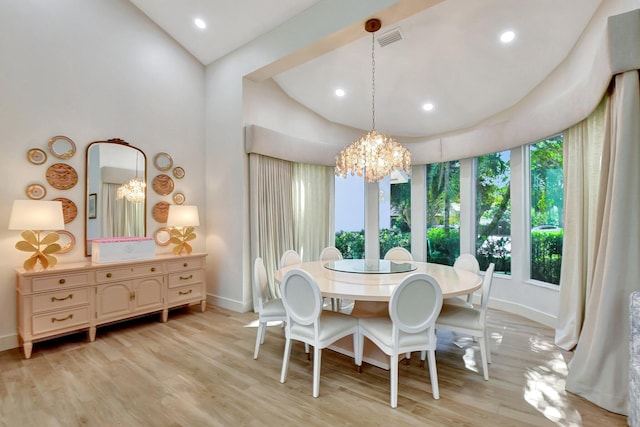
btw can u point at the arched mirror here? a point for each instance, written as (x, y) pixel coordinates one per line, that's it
(115, 193)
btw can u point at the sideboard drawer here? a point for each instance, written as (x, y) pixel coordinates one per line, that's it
(185, 278)
(60, 320)
(60, 299)
(121, 273)
(185, 293)
(185, 264)
(58, 281)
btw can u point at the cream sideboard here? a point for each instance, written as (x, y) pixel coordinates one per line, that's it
(82, 296)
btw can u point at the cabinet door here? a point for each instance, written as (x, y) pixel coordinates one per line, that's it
(114, 300)
(149, 294)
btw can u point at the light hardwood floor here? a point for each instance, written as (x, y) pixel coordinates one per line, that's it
(198, 370)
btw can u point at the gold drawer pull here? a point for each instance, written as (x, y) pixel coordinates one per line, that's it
(186, 264)
(109, 275)
(54, 320)
(132, 296)
(153, 269)
(54, 299)
(187, 278)
(62, 281)
(184, 293)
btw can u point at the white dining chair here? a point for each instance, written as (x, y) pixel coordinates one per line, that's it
(331, 253)
(413, 309)
(307, 322)
(466, 262)
(398, 254)
(289, 257)
(268, 310)
(471, 320)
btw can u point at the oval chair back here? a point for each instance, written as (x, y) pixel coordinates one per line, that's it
(290, 257)
(330, 253)
(398, 254)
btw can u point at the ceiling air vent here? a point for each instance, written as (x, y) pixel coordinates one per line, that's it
(389, 37)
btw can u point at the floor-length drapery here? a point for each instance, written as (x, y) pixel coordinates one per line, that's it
(582, 150)
(271, 212)
(312, 209)
(599, 369)
(120, 217)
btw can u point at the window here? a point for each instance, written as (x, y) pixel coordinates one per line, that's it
(395, 212)
(547, 219)
(443, 212)
(493, 211)
(349, 211)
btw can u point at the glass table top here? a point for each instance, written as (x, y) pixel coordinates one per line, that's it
(370, 266)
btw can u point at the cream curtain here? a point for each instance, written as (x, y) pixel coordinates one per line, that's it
(600, 366)
(582, 150)
(271, 212)
(312, 209)
(120, 218)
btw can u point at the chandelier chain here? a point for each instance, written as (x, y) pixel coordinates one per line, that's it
(373, 81)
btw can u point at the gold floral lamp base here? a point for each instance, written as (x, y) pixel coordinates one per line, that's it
(43, 249)
(179, 237)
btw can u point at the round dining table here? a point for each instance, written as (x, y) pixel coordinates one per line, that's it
(370, 283)
(374, 280)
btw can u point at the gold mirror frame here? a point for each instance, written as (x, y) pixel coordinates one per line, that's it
(94, 166)
(163, 161)
(62, 147)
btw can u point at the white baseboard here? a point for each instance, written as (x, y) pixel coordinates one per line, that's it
(229, 304)
(8, 342)
(524, 311)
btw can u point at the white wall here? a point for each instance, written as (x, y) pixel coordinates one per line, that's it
(90, 70)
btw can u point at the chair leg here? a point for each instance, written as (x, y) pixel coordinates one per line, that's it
(393, 380)
(488, 347)
(259, 338)
(285, 360)
(483, 355)
(433, 373)
(358, 349)
(423, 355)
(317, 356)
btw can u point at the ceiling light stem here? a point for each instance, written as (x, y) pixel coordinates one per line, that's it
(373, 81)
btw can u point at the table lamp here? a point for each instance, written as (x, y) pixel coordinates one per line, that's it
(182, 219)
(34, 216)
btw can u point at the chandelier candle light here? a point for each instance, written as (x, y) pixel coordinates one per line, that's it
(375, 154)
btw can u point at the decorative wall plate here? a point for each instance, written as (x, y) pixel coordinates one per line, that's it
(162, 236)
(67, 241)
(163, 161)
(36, 156)
(36, 191)
(62, 176)
(69, 209)
(178, 172)
(62, 147)
(178, 198)
(161, 211)
(163, 184)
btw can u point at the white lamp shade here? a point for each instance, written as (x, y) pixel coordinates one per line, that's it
(36, 215)
(183, 216)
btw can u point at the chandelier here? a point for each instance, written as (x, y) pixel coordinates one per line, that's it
(134, 190)
(375, 155)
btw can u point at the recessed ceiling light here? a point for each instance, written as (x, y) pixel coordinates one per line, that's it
(507, 36)
(340, 92)
(200, 23)
(427, 107)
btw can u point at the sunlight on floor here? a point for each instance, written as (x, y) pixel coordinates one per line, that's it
(544, 389)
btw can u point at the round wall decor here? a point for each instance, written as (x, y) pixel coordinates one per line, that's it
(62, 176)
(69, 209)
(161, 212)
(162, 184)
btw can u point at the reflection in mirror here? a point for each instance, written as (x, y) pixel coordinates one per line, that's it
(110, 165)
